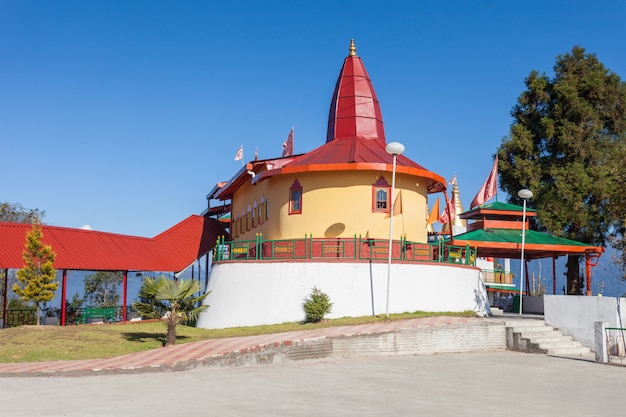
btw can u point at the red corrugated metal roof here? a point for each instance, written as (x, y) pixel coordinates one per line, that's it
(172, 250)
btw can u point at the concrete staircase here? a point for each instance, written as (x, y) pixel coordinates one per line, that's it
(534, 336)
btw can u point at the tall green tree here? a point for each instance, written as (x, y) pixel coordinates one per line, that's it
(16, 213)
(102, 288)
(36, 281)
(617, 236)
(173, 301)
(563, 146)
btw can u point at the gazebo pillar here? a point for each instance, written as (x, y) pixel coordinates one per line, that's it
(590, 260)
(5, 298)
(63, 297)
(554, 275)
(124, 297)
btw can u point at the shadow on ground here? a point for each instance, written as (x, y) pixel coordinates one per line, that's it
(142, 337)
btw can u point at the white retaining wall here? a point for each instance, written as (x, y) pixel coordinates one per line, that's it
(249, 294)
(576, 315)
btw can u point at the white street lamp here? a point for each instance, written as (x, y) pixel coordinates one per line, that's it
(394, 149)
(524, 194)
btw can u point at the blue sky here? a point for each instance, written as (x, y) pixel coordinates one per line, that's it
(124, 114)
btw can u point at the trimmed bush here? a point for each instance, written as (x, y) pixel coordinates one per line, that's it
(317, 305)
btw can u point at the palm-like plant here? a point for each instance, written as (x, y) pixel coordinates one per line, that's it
(173, 301)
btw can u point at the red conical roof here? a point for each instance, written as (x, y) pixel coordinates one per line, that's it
(354, 109)
(355, 138)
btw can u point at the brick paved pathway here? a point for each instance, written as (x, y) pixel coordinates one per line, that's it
(189, 355)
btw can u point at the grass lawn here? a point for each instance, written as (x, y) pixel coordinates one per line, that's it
(51, 343)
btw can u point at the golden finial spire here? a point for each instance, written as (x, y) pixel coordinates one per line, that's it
(458, 207)
(352, 48)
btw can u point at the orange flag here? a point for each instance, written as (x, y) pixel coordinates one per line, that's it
(434, 213)
(397, 205)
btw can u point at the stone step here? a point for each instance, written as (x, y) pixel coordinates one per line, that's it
(538, 334)
(533, 329)
(495, 311)
(558, 345)
(537, 337)
(524, 323)
(571, 351)
(549, 338)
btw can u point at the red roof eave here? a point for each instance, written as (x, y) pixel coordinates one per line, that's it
(531, 248)
(436, 182)
(77, 249)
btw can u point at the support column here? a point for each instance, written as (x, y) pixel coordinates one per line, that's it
(5, 298)
(588, 277)
(63, 297)
(125, 294)
(553, 275)
(206, 270)
(600, 342)
(588, 264)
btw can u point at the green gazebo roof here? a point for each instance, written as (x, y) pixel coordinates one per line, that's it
(507, 243)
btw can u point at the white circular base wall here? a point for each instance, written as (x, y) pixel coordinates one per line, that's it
(250, 294)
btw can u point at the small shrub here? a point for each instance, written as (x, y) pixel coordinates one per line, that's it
(317, 305)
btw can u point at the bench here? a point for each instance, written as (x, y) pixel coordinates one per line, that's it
(107, 314)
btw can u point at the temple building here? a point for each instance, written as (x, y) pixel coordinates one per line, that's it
(342, 188)
(335, 218)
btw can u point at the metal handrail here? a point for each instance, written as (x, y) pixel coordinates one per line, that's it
(616, 345)
(355, 248)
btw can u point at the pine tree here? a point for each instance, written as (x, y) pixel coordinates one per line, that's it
(36, 281)
(563, 146)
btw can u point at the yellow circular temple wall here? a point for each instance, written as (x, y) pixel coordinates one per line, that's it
(334, 204)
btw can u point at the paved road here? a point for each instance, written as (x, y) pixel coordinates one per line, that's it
(501, 383)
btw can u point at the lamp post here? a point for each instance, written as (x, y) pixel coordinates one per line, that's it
(394, 149)
(524, 194)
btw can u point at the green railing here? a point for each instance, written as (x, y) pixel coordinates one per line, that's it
(356, 248)
(19, 317)
(497, 276)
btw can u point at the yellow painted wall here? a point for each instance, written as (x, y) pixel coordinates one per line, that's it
(334, 204)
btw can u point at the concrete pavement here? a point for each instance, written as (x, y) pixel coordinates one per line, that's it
(487, 383)
(481, 384)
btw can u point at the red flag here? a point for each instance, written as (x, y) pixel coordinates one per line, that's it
(288, 145)
(239, 155)
(449, 208)
(489, 188)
